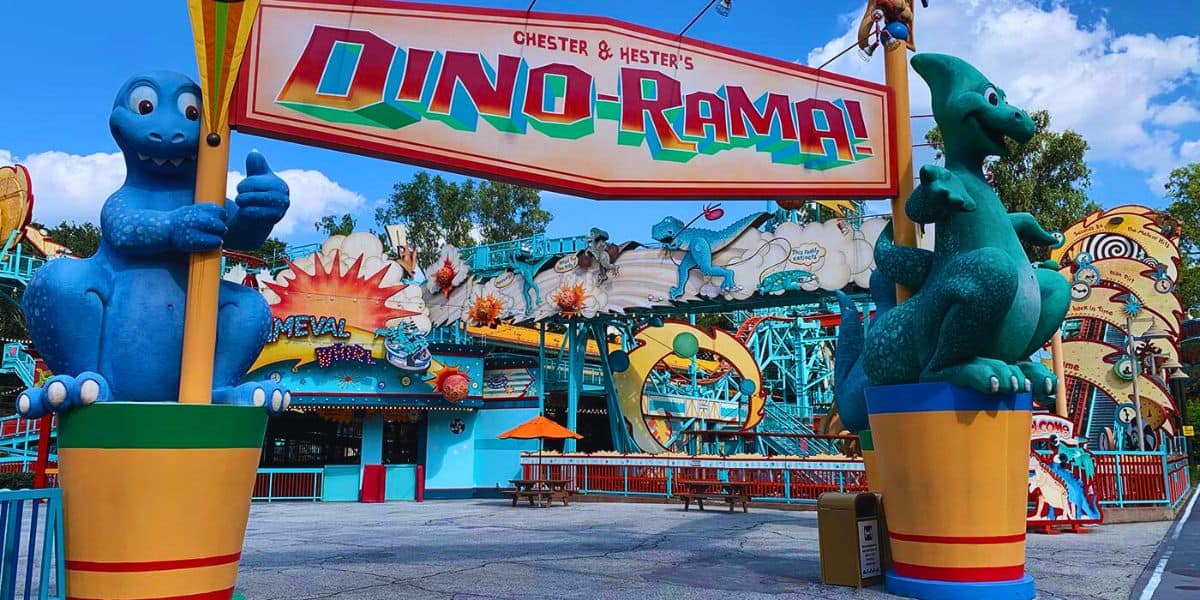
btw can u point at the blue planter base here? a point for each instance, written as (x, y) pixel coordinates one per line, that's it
(925, 589)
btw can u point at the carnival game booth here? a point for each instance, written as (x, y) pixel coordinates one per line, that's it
(382, 411)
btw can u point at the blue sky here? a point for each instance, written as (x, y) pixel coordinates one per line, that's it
(1124, 76)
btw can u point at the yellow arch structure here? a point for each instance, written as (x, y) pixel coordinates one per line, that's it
(654, 344)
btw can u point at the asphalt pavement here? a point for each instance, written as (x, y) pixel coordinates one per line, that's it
(601, 551)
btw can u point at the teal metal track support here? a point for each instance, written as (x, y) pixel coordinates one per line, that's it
(576, 353)
(621, 440)
(542, 368)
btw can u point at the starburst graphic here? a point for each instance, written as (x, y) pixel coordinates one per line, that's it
(485, 311)
(570, 299)
(362, 302)
(452, 383)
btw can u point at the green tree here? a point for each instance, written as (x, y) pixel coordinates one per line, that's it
(1046, 177)
(83, 239)
(1183, 190)
(331, 225)
(469, 213)
(271, 251)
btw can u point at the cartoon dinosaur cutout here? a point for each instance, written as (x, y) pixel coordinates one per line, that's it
(699, 245)
(979, 308)
(111, 325)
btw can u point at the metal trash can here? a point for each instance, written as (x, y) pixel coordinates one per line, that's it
(851, 534)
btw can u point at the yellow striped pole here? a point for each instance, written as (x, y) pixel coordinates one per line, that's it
(220, 29)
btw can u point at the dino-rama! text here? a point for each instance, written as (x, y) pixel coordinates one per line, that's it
(356, 77)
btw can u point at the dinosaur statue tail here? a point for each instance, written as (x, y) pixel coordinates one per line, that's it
(850, 381)
(900, 264)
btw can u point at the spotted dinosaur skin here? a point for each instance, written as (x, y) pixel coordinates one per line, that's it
(979, 309)
(111, 326)
(699, 245)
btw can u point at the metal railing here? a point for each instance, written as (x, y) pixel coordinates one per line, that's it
(274, 485)
(1150, 478)
(31, 558)
(793, 482)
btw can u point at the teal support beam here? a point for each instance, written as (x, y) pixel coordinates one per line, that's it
(576, 352)
(621, 441)
(542, 371)
(372, 440)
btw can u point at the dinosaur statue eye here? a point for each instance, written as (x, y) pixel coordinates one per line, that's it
(142, 99)
(993, 97)
(189, 105)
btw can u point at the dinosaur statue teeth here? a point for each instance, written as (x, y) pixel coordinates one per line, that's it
(159, 161)
(143, 156)
(176, 161)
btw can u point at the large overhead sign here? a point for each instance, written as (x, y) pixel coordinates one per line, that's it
(585, 105)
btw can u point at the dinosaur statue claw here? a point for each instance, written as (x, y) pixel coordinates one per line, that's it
(1028, 385)
(61, 393)
(263, 394)
(995, 384)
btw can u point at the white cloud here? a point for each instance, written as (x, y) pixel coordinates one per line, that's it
(1108, 87)
(314, 195)
(1179, 112)
(73, 187)
(1189, 152)
(70, 187)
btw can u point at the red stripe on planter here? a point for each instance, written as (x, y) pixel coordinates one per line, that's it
(955, 539)
(224, 594)
(960, 574)
(153, 565)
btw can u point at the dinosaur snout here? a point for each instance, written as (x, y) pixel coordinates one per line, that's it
(1022, 127)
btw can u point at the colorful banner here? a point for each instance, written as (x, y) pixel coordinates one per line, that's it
(586, 105)
(1124, 232)
(1061, 469)
(1093, 362)
(219, 29)
(1106, 302)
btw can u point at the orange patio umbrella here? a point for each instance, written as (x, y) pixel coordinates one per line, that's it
(540, 428)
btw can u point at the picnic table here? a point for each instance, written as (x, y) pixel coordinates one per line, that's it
(542, 490)
(730, 492)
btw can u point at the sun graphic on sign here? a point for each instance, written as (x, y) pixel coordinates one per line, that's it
(362, 302)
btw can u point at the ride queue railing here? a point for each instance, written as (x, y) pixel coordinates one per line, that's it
(32, 564)
(793, 484)
(273, 485)
(1143, 478)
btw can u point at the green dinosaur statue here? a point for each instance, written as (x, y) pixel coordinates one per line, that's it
(979, 308)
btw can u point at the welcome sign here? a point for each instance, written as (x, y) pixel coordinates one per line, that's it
(585, 105)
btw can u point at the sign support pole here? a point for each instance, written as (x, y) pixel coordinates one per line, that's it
(895, 67)
(220, 29)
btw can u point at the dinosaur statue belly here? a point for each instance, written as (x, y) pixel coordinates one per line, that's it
(1016, 330)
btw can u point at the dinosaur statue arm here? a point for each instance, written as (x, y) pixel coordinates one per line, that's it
(132, 230)
(901, 264)
(939, 194)
(1030, 231)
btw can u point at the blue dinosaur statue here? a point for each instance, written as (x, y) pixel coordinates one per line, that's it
(699, 245)
(979, 309)
(111, 325)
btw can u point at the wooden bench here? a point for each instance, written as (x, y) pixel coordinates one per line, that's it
(545, 497)
(732, 500)
(730, 492)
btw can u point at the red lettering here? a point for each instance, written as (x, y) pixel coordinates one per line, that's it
(811, 137)
(577, 101)
(634, 106)
(416, 70)
(370, 73)
(742, 110)
(694, 121)
(467, 68)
